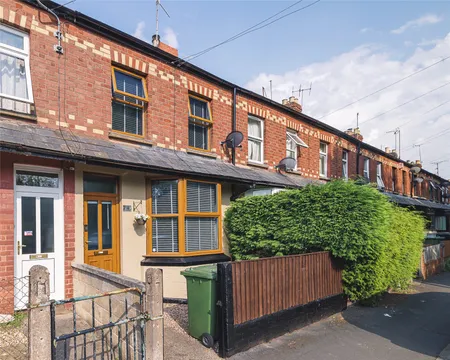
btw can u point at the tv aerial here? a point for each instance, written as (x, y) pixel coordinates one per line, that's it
(233, 140)
(300, 92)
(286, 164)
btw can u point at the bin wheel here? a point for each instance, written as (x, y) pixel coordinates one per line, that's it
(207, 340)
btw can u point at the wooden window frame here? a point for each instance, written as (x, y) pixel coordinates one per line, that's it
(345, 164)
(208, 122)
(181, 215)
(325, 155)
(143, 99)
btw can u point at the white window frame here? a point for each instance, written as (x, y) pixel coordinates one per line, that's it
(323, 154)
(345, 164)
(23, 54)
(366, 169)
(380, 181)
(256, 139)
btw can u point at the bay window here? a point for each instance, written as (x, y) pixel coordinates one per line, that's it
(185, 217)
(15, 82)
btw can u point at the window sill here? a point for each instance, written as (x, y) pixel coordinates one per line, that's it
(321, 177)
(184, 261)
(255, 164)
(294, 172)
(18, 115)
(205, 153)
(129, 138)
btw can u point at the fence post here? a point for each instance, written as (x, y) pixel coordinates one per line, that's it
(153, 306)
(226, 314)
(39, 322)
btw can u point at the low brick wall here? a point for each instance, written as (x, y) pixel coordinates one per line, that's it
(89, 280)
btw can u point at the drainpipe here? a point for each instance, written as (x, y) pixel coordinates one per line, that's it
(233, 150)
(358, 150)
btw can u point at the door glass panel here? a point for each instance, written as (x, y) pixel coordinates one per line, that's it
(28, 225)
(92, 217)
(28, 178)
(47, 225)
(106, 224)
(99, 184)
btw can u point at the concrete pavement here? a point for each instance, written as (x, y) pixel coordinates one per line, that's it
(412, 326)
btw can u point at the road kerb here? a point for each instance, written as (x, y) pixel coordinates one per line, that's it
(445, 354)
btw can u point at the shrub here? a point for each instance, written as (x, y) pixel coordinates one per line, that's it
(447, 265)
(379, 242)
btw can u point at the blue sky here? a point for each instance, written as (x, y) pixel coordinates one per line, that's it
(347, 49)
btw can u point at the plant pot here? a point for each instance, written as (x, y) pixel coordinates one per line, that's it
(141, 221)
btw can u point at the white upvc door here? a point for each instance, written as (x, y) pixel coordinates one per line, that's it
(39, 228)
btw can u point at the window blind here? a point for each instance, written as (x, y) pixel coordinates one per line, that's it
(165, 197)
(199, 108)
(198, 136)
(201, 234)
(129, 84)
(165, 234)
(201, 197)
(126, 118)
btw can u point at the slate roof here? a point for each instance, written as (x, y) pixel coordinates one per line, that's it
(64, 144)
(408, 201)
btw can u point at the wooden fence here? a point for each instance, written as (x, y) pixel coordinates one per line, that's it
(265, 298)
(265, 286)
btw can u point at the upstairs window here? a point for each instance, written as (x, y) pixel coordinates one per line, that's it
(323, 157)
(15, 82)
(129, 99)
(380, 182)
(366, 173)
(255, 140)
(200, 122)
(345, 165)
(404, 177)
(394, 179)
(292, 144)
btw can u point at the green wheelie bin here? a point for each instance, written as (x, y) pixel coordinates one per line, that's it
(202, 299)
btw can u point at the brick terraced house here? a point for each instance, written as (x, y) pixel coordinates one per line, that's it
(97, 126)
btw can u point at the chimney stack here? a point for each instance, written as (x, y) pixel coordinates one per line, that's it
(156, 42)
(292, 103)
(418, 163)
(356, 133)
(387, 150)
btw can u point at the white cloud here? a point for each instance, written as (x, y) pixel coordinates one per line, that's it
(365, 69)
(170, 37)
(365, 30)
(424, 20)
(139, 32)
(428, 42)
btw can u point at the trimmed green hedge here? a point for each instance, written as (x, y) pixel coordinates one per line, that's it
(380, 243)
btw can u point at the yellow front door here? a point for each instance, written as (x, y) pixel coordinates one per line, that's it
(101, 244)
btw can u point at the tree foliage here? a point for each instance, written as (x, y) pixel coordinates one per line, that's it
(380, 244)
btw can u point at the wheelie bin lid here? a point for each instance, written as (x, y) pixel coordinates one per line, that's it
(201, 272)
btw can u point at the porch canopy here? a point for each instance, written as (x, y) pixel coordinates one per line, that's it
(416, 202)
(63, 144)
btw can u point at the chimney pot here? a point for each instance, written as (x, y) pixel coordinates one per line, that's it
(387, 150)
(418, 163)
(293, 99)
(285, 101)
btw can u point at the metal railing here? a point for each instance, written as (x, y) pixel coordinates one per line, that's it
(104, 326)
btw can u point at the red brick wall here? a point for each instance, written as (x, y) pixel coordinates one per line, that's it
(85, 79)
(7, 241)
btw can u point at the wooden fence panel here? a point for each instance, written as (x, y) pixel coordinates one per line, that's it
(265, 286)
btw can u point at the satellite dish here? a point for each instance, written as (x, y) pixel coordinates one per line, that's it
(286, 164)
(233, 140)
(418, 180)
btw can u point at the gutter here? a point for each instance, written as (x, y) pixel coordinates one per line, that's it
(143, 47)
